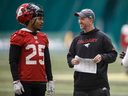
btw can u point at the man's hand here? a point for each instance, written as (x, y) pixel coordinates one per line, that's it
(51, 88)
(122, 55)
(121, 63)
(74, 62)
(97, 59)
(18, 87)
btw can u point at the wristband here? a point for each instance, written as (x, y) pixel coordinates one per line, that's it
(14, 82)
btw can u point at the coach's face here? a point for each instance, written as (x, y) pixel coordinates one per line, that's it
(84, 22)
(38, 24)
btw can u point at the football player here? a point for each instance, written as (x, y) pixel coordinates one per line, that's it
(29, 54)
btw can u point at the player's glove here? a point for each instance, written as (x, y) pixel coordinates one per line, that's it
(18, 87)
(51, 88)
(122, 55)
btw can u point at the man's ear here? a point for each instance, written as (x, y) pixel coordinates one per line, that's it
(91, 20)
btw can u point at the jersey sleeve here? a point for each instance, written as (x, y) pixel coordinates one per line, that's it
(48, 67)
(16, 38)
(14, 54)
(47, 60)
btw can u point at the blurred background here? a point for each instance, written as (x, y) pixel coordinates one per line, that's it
(61, 26)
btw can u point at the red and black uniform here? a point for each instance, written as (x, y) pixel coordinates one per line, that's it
(88, 45)
(29, 57)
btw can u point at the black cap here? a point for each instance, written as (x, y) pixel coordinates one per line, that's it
(86, 13)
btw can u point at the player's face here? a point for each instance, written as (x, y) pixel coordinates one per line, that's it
(84, 22)
(38, 24)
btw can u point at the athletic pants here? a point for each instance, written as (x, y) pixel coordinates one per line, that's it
(98, 92)
(33, 89)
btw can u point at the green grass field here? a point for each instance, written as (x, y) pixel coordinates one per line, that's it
(64, 77)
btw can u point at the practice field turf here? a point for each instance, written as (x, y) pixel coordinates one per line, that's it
(64, 77)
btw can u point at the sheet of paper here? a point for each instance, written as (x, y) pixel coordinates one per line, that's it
(125, 59)
(85, 65)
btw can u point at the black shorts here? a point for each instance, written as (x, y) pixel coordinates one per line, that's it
(33, 89)
(98, 92)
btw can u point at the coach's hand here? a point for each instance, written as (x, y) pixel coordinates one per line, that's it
(51, 88)
(18, 87)
(74, 62)
(97, 59)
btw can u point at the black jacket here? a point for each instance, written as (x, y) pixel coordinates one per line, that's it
(88, 45)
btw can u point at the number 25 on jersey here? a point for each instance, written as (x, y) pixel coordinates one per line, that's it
(34, 62)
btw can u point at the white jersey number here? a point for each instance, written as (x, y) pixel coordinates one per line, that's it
(33, 62)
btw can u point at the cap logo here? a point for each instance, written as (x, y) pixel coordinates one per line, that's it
(90, 16)
(19, 12)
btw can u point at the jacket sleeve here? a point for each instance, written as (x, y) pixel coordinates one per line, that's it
(48, 64)
(71, 54)
(14, 54)
(110, 54)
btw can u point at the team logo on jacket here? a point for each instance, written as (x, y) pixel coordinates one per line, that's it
(87, 40)
(86, 45)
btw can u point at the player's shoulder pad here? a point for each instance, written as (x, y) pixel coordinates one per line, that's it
(19, 33)
(44, 38)
(42, 34)
(17, 37)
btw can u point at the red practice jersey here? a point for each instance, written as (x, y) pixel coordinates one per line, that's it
(31, 65)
